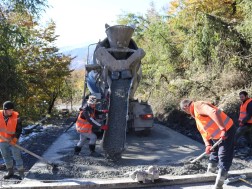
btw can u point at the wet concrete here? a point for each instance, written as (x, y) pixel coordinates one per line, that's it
(199, 181)
(163, 148)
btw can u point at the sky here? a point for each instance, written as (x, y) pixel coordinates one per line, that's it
(82, 22)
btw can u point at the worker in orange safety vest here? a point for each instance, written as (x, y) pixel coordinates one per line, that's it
(245, 118)
(84, 124)
(213, 124)
(10, 131)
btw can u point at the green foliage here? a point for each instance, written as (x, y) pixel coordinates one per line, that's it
(73, 88)
(20, 6)
(32, 71)
(200, 50)
(245, 27)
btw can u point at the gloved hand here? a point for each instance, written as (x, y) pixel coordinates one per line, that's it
(13, 141)
(104, 127)
(105, 111)
(208, 149)
(223, 134)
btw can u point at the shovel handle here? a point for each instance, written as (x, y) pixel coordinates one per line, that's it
(27, 151)
(69, 127)
(33, 154)
(245, 181)
(203, 154)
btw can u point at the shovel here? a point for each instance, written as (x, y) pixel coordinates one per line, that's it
(54, 166)
(237, 178)
(69, 127)
(203, 154)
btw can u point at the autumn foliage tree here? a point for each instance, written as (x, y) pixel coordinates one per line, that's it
(197, 48)
(32, 70)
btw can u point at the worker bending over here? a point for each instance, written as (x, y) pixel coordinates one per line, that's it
(213, 124)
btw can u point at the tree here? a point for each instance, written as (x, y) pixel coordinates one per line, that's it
(15, 19)
(32, 70)
(45, 67)
(200, 48)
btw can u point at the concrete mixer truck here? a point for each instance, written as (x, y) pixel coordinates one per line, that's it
(113, 75)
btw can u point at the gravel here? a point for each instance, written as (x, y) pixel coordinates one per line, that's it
(84, 166)
(39, 140)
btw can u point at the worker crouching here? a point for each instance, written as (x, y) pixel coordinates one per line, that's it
(84, 124)
(213, 124)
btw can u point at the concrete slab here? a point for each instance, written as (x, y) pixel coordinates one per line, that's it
(162, 147)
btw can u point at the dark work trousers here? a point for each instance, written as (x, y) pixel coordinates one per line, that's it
(245, 130)
(224, 152)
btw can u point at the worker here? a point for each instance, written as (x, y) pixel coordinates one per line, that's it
(245, 118)
(213, 124)
(10, 131)
(84, 124)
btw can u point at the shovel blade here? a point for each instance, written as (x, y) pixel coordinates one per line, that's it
(234, 179)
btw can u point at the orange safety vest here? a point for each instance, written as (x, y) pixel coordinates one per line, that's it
(208, 128)
(243, 111)
(8, 131)
(82, 125)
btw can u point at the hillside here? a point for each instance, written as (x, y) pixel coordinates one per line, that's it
(80, 53)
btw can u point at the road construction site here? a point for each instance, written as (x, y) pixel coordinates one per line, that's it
(164, 148)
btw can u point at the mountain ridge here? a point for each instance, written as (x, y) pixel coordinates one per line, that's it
(80, 54)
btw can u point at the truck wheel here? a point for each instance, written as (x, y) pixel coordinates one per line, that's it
(129, 127)
(143, 133)
(147, 132)
(114, 138)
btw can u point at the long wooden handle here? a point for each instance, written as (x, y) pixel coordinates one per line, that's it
(33, 154)
(203, 154)
(245, 181)
(27, 151)
(69, 127)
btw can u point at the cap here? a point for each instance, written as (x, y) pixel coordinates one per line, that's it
(8, 105)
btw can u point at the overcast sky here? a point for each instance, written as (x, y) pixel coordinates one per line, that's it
(82, 22)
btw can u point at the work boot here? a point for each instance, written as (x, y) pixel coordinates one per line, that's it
(77, 150)
(9, 174)
(92, 150)
(221, 177)
(212, 167)
(93, 153)
(21, 174)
